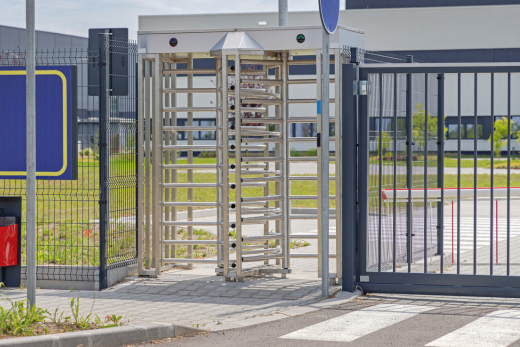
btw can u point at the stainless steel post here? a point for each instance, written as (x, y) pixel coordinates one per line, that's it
(283, 13)
(324, 170)
(31, 152)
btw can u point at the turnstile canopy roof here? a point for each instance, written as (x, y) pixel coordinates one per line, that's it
(246, 41)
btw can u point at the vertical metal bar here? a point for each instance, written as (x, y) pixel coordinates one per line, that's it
(319, 154)
(147, 125)
(190, 160)
(225, 163)
(459, 149)
(140, 163)
(492, 172)
(221, 208)
(394, 215)
(338, 67)
(426, 173)
(363, 177)
(324, 203)
(409, 168)
(174, 191)
(349, 162)
(103, 174)
(440, 170)
(508, 173)
(286, 165)
(31, 152)
(380, 176)
(475, 183)
(238, 164)
(157, 117)
(287, 172)
(167, 160)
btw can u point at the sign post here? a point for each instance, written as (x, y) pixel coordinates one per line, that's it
(329, 12)
(31, 152)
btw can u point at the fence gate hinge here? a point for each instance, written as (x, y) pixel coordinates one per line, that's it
(102, 145)
(361, 87)
(102, 202)
(318, 139)
(102, 64)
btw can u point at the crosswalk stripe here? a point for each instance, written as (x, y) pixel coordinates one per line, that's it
(497, 329)
(354, 325)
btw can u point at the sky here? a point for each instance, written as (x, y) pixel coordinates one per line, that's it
(75, 17)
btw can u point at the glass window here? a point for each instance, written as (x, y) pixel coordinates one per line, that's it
(470, 131)
(207, 135)
(453, 131)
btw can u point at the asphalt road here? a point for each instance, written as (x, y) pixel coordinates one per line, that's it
(376, 321)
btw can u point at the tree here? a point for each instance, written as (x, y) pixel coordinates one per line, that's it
(500, 135)
(418, 125)
(387, 140)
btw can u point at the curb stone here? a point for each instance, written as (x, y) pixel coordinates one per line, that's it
(109, 337)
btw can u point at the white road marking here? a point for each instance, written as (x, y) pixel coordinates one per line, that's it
(497, 329)
(354, 325)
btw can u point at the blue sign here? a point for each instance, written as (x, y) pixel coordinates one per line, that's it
(329, 11)
(56, 123)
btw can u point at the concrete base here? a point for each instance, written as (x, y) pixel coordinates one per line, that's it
(76, 277)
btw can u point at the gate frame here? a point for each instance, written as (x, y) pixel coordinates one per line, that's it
(391, 282)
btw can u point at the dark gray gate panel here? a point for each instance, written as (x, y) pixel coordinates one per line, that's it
(374, 272)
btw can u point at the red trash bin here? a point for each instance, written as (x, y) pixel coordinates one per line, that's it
(8, 240)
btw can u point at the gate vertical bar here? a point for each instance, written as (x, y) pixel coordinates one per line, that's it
(338, 67)
(492, 173)
(190, 160)
(319, 154)
(225, 164)
(238, 165)
(103, 174)
(440, 169)
(508, 172)
(140, 163)
(167, 230)
(394, 216)
(147, 125)
(349, 164)
(286, 165)
(426, 173)
(324, 201)
(221, 209)
(157, 196)
(459, 149)
(475, 158)
(409, 171)
(363, 170)
(380, 176)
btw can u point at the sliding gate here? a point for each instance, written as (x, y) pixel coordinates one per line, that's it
(437, 170)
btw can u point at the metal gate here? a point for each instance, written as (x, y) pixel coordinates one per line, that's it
(436, 176)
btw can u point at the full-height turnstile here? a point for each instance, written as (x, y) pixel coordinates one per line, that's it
(251, 80)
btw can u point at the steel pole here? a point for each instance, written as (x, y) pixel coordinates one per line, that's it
(283, 13)
(31, 152)
(324, 170)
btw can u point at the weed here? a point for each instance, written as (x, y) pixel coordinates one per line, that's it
(219, 322)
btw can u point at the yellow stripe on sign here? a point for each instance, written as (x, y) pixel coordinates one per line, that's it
(65, 147)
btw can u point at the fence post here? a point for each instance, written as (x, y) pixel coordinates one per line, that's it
(350, 167)
(103, 174)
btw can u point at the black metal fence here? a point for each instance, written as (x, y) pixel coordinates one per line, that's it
(69, 223)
